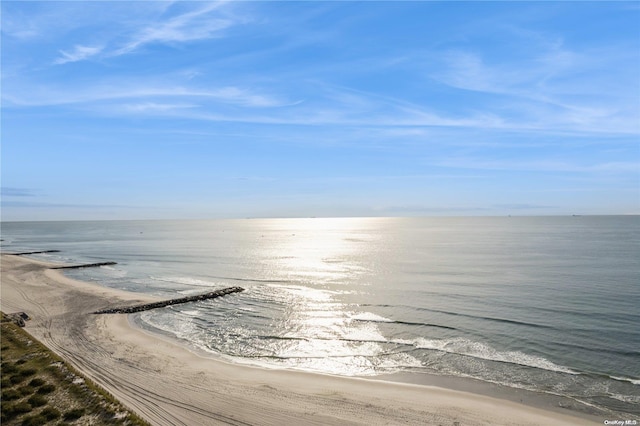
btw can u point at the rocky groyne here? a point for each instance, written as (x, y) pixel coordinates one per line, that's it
(87, 265)
(164, 303)
(35, 252)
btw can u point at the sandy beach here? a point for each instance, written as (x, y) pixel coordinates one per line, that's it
(167, 384)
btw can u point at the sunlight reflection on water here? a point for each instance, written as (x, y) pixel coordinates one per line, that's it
(527, 302)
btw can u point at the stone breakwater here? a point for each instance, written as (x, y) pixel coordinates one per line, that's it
(163, 303)
(87, 265)
(35, 252)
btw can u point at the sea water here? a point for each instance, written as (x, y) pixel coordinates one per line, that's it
(549, 304)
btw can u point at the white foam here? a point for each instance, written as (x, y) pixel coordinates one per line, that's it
(631, 399)
(480, 350)
(369, 316)
(399, 361)
(627, 379)
(113, 272)
(185, 281)
(366, 333)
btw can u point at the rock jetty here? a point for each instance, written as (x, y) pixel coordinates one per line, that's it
(88, 265)
(163, 303)
(35, 252)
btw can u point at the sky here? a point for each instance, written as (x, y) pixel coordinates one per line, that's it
(170, 110)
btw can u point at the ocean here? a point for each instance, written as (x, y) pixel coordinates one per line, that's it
(547, 304)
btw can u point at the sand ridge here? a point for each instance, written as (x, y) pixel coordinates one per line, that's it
(167, 384)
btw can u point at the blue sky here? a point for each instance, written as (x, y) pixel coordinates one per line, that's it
(144, 110)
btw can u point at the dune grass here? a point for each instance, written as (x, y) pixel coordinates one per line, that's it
(39, 388)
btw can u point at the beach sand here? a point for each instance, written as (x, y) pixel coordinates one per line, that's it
(167, 384)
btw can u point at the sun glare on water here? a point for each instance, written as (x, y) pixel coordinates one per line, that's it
(318, 261)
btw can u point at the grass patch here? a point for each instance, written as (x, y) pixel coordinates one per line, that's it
(50, 413)
(30, 371)
(16, 409)
(45, 389)
(73, 414)
(16, 378)
(37, 420)
(8, 367)
(37, 401)
(10, 395)
(25, 390)
(36, 382)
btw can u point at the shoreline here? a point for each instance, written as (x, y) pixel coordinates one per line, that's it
(539, 400)
(167, 383)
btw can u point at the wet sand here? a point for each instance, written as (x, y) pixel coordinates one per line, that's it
(167, 384)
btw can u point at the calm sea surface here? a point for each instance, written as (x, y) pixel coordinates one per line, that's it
(549, 304)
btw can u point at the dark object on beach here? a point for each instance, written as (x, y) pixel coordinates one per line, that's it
(36, 252)
(88, 265)
(19, 318)
(162, 304)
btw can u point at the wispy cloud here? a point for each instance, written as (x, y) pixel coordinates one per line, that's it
(46, 205)
(155, 107)
(488, 97)
(146, 94)
(523, 206)
(545, 165)
(521, 97)
(79, 53)
(325, 105)
(550, 85)
(250, 98)
(16, 192)
(193, 25)
(421, 209)
(159, 24)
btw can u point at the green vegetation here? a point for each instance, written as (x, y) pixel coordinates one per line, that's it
(28, 372)
(34, 420)
(37, 401)
(10, 395)
(50, 413)
(39, 388)
(45, 389)
(26, 390)
(73, 414)
(36, 382)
